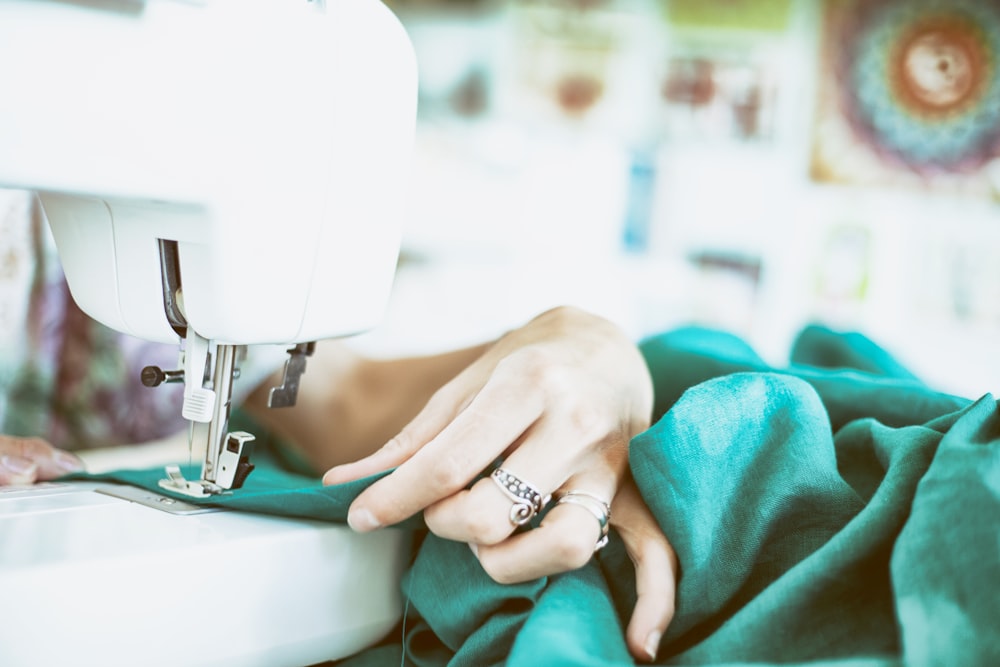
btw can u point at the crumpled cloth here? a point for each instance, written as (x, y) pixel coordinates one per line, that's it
(833, 512)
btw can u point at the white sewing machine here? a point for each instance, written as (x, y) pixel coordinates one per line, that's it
(220, 173)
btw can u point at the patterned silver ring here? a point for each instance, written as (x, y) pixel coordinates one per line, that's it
(528, 501)
(596, 506)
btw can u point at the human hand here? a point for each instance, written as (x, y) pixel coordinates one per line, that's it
(558, 400)
(30, 460)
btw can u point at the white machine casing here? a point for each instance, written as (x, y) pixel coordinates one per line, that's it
(270, 141)
(269, 138)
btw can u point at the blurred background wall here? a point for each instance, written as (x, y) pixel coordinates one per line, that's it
(752, 165)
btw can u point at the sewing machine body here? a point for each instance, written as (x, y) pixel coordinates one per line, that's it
(91, 578)
(270, 139)
(216, 173)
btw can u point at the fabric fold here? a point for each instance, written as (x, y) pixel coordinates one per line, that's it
(948, 613)
(842, 516)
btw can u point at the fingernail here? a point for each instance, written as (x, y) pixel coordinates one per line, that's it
(474, 548)
(68, 462)
(652, 644)
(331, 476)
(362, 520)
(17, 464)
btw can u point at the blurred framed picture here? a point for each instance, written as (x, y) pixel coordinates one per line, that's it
(719, 97)
(909, 94)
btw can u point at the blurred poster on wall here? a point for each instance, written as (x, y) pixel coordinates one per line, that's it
(720, 96)
(909, 94)
(580, 65)
(565, 52)
(720, 80)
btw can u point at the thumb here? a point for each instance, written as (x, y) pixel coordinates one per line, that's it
(656, 573)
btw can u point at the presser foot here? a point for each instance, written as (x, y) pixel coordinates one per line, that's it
(231, 470)
(176, 482)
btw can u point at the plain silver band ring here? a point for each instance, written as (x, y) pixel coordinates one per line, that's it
(596, 506)
(528, 501)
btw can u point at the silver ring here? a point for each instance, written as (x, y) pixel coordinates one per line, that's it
(596, 506)
(528, 501)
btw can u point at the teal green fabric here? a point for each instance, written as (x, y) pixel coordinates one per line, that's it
(268, 490)
(825, 348)
(281, 483)
(832, 512)
(683, 358)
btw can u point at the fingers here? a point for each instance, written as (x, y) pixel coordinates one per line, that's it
(390, 455)
(545, 458)
(496, 417)
(656, 572)
(438, 412)
(29, 460)
(565, 540)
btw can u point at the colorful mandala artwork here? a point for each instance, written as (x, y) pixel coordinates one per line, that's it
(910, 93)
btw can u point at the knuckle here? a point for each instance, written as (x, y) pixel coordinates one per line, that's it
(448, 523)
(434, 519)
(400, 443)
(652, 552)
(590, 425)
(444, 398)
(437, 402)
(575, 552)
(529, 364)
(448, 475)
(551, 378)
(486, 532)
(497, 569)
(567, 318)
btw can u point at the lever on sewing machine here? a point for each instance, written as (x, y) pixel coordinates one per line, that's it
(284, 396)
